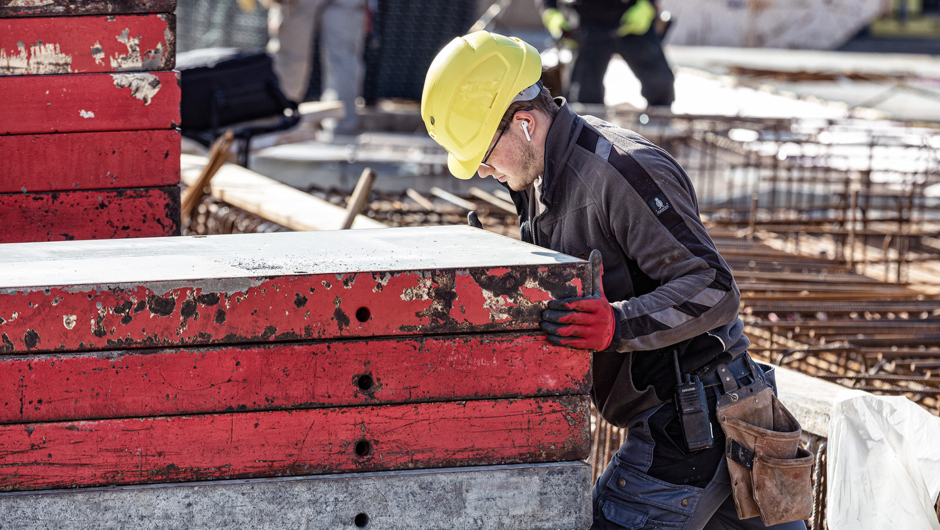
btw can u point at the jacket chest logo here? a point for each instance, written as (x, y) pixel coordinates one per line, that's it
(658, 204)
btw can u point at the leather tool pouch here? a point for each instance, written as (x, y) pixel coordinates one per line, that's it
(771, 475)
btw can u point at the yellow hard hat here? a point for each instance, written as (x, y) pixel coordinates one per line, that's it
(469, 86)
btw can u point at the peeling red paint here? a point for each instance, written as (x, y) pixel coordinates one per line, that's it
(300, 442)
(285, 376)
(86, 102)
(98, 214)
(264, 309)
(97, 160)
(48, 8)
(131, 43)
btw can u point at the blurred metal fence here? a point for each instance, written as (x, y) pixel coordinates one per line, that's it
(220, 23)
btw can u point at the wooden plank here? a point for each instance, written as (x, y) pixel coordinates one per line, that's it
(270, 199)
(286, 376)
(453, 199)
(98, 160)
(287, 443)
(97, 214)
(276, 287)
(420, 199)
(49, 8)
(515, 497)
(73, 45)
(508, 207)
(89, 102)
(358, 199)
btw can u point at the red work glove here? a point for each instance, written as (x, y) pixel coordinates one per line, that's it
(586, 323)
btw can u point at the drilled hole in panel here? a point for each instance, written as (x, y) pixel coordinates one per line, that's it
(363, 314)
(365, 382)
(363, 448)
(362, 520)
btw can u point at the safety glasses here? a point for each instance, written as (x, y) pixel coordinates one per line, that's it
(490, 152)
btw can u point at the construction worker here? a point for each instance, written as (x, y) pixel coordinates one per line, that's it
(292, 25)
(580, 184)
(606, 27)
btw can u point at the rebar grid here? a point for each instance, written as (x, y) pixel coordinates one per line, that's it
(860, 183)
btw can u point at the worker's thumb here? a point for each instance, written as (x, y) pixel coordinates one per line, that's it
(473, 220)
(597, 272)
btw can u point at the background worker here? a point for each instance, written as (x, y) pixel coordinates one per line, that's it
(579, 184)
(606, 27)
(292, 25)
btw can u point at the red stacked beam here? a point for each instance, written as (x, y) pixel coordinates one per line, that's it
(88, 134)
(177, 360)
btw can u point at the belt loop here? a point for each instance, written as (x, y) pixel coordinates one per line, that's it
(755, 370)
(727, 379)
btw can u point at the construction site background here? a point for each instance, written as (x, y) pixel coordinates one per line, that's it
(817, 173)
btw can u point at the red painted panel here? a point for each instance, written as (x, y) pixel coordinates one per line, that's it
(285, 308)
(103, 214)
(48, 8)
(89, 102)
(74, 45)
(270, 377)
(300, 442)
(98, 160)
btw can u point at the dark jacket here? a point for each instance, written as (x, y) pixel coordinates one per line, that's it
(595, 11)
(610, 189)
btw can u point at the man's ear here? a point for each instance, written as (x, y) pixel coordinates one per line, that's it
(528, 117)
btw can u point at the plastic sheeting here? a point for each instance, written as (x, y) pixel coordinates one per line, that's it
(884, 464)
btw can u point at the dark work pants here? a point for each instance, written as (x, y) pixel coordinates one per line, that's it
(626, 496)
(643, 53)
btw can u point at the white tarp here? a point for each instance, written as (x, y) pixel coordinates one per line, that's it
(806, 24)
(884, 464)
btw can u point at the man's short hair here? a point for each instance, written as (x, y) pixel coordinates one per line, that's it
(543, 102)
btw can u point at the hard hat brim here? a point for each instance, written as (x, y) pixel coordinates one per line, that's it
(461, 169)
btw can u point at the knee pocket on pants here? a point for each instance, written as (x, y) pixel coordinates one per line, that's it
(635, 517)
(637, 501)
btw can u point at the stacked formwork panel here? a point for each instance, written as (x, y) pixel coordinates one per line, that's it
(384, 379)
(88, 140)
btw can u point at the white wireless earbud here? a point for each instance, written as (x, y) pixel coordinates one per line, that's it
(525, 129)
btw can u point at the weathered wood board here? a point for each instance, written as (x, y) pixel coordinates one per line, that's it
(49, 8)
(298, 442)
(276, 287)
(97, 214)
(43, 388)
(74, 45)
(90, 161)
(89, 102)
(515, 497)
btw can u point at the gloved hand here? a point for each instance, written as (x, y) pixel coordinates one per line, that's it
(637, 19)
(473, 220)
(587, 323)
(555, 22)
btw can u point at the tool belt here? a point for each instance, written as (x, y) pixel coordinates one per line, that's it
(771, 475)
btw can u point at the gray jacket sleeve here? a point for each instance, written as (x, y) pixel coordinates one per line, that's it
(653, 215)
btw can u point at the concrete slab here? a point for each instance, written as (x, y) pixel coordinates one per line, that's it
(556, 496)
(400, 161)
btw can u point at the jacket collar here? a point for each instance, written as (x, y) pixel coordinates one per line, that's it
(560, 142)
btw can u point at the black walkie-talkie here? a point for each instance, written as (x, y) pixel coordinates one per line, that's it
(693, 410)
